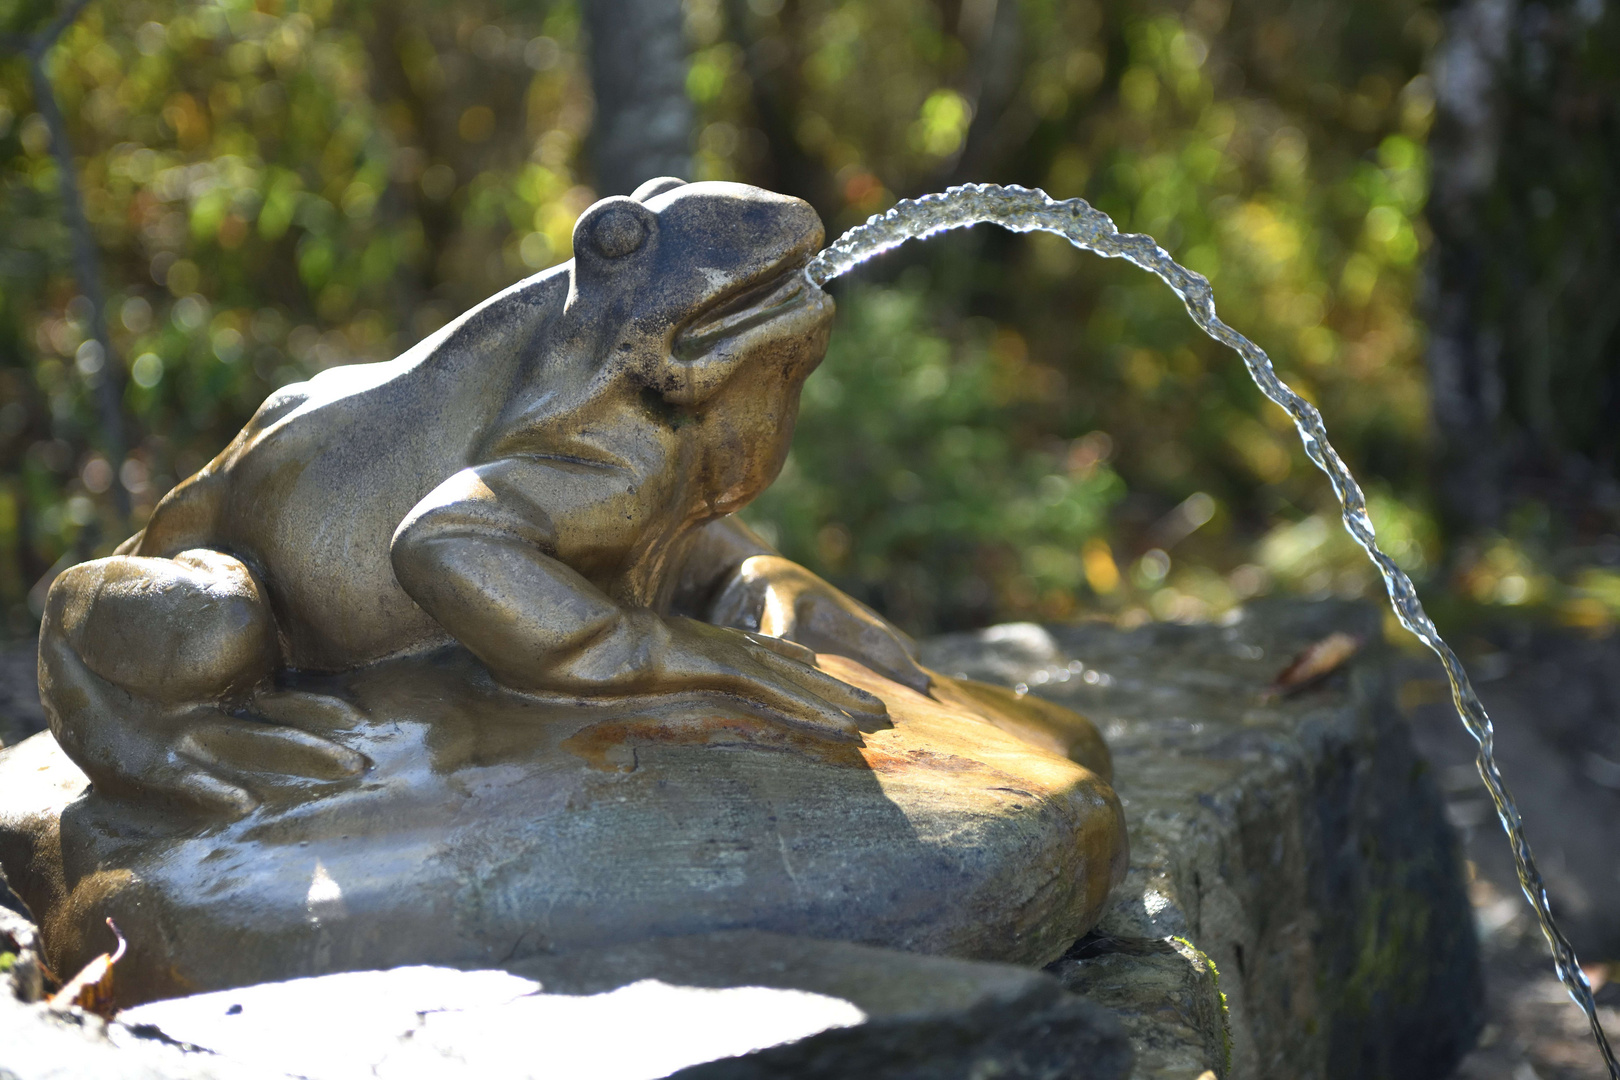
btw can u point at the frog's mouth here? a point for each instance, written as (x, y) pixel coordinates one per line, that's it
(784, 292)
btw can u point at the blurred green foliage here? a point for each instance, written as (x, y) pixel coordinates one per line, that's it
(1004, 427)
(907, 477)
(1118, 460)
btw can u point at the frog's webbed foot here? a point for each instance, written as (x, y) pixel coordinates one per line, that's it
(781, 675)
(306, 710)
(647, 653)
(773, 596)
(148, 669)
(245, 761)
(209, 759)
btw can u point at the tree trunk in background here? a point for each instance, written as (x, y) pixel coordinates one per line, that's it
(1524, 289)
(644, 119)
(105, 376)
(773, 76)
(1465, 381)
(993, 30)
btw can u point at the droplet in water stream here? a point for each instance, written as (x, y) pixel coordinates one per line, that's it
(1026, 210)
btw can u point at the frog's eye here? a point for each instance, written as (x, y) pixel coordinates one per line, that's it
(617, 232)
(612, 229)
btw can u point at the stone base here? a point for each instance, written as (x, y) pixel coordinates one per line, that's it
(1295, 906)
(494, 827)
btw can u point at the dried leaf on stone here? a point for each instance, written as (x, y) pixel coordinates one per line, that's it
(92, 988)
(1315, 662)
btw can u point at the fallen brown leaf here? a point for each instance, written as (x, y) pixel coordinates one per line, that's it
(1317, 661)
(92, 988)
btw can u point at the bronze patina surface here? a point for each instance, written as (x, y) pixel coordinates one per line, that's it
(460, 657)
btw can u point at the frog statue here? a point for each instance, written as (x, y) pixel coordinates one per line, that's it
(461, 656)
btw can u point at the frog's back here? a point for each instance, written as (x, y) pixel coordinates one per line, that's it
(310, 492)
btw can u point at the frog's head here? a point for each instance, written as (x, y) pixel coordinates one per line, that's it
(690, 285)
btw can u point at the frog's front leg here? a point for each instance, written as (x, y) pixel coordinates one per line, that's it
(478, 555)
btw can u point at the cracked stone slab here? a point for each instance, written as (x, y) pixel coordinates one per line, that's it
(1295, 906)
(727, 1006)
(436, 1021)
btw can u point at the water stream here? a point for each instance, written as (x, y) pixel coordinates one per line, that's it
(1024, 210)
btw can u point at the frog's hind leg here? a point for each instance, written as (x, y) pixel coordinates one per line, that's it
(193, 628)
(144, 663)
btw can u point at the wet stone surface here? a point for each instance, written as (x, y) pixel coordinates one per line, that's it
(1291, 855)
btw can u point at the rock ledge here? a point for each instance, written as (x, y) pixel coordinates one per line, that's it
(1295, 906)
